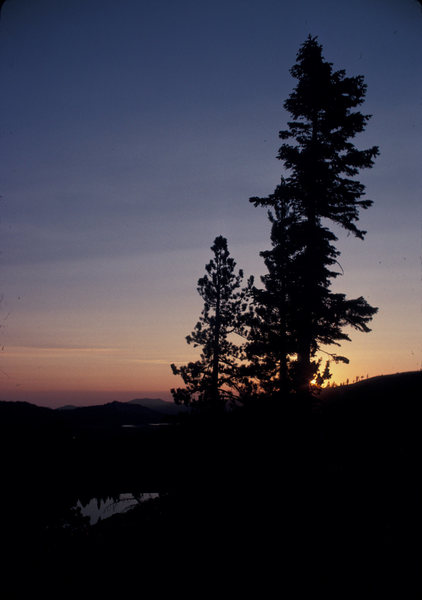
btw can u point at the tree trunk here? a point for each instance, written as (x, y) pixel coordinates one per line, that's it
(305, 370)
(215, 395)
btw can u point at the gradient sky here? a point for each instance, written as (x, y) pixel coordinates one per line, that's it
(132, 133)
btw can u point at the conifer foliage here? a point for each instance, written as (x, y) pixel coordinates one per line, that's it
(297, 313)
(215, 378)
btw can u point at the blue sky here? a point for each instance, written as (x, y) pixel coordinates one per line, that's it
(133, 133)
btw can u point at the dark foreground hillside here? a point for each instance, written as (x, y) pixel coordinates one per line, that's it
(267, 498)
(366, 449)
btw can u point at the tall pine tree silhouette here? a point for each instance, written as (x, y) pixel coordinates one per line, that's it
(215, 378)
(271, 335)
(321, 162)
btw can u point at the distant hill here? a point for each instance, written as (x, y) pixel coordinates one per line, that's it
(113, 414)
(27, 416)
(24, 414)
(168, 408)
(155, 404)
(396, 397)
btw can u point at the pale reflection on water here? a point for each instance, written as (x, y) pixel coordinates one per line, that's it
(97, 509)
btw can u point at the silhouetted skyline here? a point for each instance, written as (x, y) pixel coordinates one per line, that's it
(132, 137)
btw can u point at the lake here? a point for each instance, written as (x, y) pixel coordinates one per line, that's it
(103, 508)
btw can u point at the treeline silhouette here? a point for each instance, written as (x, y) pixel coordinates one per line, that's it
(265, 341)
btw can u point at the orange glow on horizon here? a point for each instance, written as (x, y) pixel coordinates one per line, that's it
(138, 365)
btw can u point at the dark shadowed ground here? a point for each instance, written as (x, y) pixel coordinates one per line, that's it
(269, 499)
